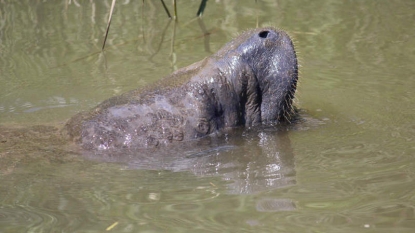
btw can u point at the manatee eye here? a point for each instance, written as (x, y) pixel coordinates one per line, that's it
(263, 34)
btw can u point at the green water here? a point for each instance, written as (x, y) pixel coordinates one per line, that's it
(348, 168)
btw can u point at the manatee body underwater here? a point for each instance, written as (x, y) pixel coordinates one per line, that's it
(251, 81)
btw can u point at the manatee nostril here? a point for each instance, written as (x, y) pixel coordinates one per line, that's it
(263, 34)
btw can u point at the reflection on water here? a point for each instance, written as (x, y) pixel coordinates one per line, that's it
(347, 168)
(250, 165)
(254, 162)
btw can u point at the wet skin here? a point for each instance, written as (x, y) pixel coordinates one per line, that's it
(250, 81)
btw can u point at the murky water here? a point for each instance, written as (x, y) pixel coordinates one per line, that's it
(348, 168)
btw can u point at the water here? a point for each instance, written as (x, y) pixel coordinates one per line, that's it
(348, 168)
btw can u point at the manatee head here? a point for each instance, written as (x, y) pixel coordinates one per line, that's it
(269, 54)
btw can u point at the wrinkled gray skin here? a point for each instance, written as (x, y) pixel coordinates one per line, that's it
(250, 81)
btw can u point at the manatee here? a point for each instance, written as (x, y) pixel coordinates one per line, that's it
(251, 81)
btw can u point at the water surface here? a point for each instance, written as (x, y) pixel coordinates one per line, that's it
(348, 168)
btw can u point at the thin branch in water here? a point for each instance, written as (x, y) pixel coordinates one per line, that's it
(109, 23)
(201, 8)
(165, 8)
(175, 9)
